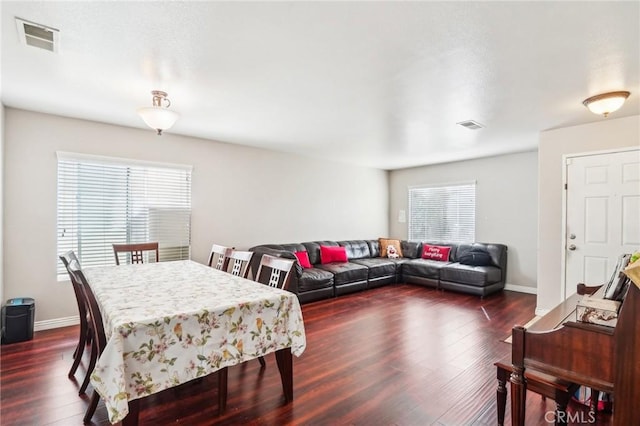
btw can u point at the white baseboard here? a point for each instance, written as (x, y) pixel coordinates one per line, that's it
(56, 323)
(521, 288)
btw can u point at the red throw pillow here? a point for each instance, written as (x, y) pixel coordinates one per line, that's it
(303, 258)
(332, 254)
(440, 253)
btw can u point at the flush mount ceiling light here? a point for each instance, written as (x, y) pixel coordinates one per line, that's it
(606, 103)
(158, 116)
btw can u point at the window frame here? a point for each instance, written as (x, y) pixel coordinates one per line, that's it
(147, 172)
(442, 186)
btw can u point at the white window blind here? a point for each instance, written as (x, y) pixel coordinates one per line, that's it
(443, 213)
(104, 201)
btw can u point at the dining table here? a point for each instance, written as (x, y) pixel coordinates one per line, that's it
(168, 323)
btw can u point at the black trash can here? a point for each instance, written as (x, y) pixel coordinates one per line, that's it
(17, 319)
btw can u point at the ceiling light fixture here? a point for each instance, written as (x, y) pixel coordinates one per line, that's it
(158, 116)
(606, 103)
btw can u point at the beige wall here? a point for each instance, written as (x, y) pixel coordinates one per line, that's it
(240, 196)
(506, 205)
(606, 134)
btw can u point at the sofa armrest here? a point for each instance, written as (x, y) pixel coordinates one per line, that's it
(499, 253)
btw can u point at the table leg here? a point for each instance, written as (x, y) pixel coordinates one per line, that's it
(501, 395)
(285, 365)
(131, 419)
(222, 390)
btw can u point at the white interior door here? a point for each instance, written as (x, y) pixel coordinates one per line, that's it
(602, 215)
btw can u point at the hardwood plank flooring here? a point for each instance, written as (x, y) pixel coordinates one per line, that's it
(396, 355)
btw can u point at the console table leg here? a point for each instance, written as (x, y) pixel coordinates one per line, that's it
(285, 365)
(501, 395)
(518, 397)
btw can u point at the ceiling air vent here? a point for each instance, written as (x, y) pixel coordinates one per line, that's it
(471, 125)
(38, 35)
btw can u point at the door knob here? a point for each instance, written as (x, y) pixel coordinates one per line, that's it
(572, 236)
(572, 247)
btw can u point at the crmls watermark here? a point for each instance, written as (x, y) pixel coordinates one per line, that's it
(579, 417)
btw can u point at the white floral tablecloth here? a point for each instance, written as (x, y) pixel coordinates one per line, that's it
(170, 322)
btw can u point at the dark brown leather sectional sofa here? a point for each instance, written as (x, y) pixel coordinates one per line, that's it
(366, 269)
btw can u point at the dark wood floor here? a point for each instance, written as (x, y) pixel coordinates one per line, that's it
(398, 355)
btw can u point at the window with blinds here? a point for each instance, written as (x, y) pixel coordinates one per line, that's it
(104, 201)
(443, 213)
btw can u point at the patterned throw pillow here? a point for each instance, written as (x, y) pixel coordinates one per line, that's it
(440, 253)
(385, 243)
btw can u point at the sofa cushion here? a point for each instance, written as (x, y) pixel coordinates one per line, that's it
(332, 254)
(378, 266)
(471, 275)
(374, 247)
(439, 253)
(384, 246)
(344, 273)
(314, 278)
(498, 252)
(292, 247)
(303, 258)
(356, 249)
(313, 248)
(399, 261)
(424, 268)
(411, 249)
(475, 257)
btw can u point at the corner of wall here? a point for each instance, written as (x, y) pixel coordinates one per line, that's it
(1, 202)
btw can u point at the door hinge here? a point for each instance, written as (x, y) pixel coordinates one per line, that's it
(565, 186)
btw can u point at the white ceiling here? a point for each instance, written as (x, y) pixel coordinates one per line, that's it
(379, 84)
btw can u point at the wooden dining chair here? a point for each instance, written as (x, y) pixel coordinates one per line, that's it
(136, 251)
(274, 272)
(238, 261)
(99, 340)
(85, 328)
(219, 257)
